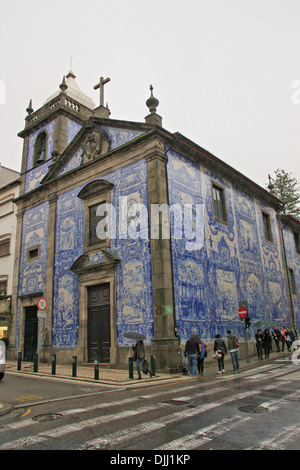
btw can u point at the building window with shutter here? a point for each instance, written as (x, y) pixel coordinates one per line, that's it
(5, 247)
(94, 220)
(292, 282)
(96, 197)
(267, 227)
(219, 204)
(297, 242)
(3, 285)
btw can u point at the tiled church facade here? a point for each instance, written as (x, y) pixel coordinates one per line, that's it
(154, 286)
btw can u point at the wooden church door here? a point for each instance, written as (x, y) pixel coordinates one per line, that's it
(99, 323)
(30, 333)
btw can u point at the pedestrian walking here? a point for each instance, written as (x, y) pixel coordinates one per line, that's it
(267, 343)
(192, 351)
(282, 337)
(276, 336)
(140, 358)
(259, 344)
(203, 355)
(289, 337)
(220, 347)
(233, 345)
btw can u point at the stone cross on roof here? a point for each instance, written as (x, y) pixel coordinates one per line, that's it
(101, 86)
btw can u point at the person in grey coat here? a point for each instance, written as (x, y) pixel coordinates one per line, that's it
(233, 349)
(140, 350)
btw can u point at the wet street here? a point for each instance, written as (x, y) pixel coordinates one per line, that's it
(255, 409)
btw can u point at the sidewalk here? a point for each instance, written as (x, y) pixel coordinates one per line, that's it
(120, 377)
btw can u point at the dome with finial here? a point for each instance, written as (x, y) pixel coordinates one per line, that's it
(152, 102)
(70, 87)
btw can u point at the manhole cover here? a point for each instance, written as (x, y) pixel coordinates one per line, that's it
(253, 409)
(47, 417)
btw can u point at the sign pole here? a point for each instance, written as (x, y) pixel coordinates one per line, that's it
(246, 340)
(41, 305)
(243, 313)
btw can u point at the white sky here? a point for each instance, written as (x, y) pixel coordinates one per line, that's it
(223, 70)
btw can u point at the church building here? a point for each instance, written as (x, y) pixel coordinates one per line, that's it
(126, 227)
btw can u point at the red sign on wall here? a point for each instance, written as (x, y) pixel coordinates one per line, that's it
(242, 312)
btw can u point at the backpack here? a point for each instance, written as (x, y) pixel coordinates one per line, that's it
(236, 342)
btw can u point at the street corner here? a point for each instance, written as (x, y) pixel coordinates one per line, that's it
(5, 408)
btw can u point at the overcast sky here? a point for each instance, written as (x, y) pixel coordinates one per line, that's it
(223, 70)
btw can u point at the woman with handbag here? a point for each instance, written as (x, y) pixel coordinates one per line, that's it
(221, 349)
(139, 356)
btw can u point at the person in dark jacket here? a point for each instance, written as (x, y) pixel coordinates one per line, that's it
(219, 345)
(192, 351)
(276, 336)
(289, 337)
(267, 343)
(259, 344)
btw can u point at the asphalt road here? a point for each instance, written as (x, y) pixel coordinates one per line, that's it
(24, 390)
(255, 409)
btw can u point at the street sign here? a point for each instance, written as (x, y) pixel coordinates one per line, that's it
(242, 312)
(168, 310)
(42, 304)
(41, 314)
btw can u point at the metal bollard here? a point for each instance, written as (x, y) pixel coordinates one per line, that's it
(74, 366)
(152, 364)
(96, 369)
(19, 361)
(130, 367)
(53, 361)
(35, 362)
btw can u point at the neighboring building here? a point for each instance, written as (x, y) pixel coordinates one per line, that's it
(83, 174)
(9, 189)
(290, 227)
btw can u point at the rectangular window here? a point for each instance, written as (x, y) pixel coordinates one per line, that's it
(297, 242)
(292, 282)
(94, 220)
(267, 227)
(219, 203)
(4, 248)
(3, 285)
(33, 253)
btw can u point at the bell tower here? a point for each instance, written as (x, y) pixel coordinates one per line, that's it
(47, 133)
(49, 129)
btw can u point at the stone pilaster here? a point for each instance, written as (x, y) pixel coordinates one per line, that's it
(12, 350)
(165, 345)
(47, 333)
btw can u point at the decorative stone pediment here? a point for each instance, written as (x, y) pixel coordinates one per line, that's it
(80, 263)
(95, 143)
(95, 188)
(83, 263)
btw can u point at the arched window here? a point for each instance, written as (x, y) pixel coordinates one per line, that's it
(40, 148)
